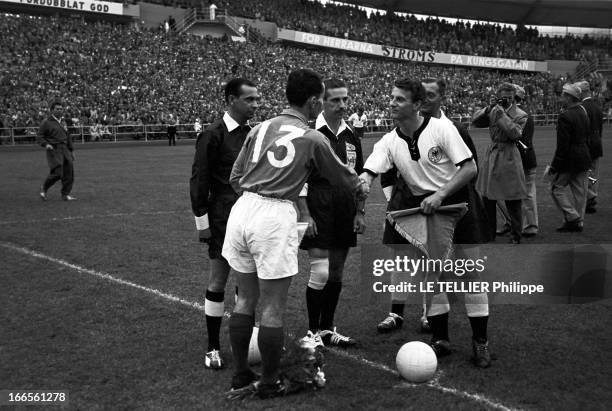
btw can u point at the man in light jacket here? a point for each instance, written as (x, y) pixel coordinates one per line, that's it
(501, 175)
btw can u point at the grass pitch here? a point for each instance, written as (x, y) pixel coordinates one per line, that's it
(113, 346)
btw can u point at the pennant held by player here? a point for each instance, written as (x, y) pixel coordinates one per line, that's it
(433, 233)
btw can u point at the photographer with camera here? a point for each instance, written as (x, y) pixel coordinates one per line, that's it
(501, 176)
(528, 157)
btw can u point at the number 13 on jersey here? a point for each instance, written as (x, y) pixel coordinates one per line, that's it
(285, 141)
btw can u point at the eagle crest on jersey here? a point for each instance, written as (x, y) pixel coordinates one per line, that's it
(435, 154)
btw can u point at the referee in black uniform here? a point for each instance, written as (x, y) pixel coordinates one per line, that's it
(334, 219)
(212, 197)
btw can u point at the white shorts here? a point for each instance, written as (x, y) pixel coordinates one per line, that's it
(262, 237)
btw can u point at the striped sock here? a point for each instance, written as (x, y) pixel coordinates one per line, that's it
(214, 309)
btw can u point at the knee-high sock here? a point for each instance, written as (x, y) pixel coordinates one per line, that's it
(214, 309)
(331, 295)
(477, 307)
(270, 342)
(313, 304)
(437, 316)
(398, 299)
(241, 328)
(319, 273)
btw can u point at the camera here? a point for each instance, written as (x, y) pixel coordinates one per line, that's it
(504, 102)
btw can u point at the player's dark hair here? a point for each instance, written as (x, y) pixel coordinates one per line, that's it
(234, 87)
(416, 89)
(333, 83)
(440, 82)
(303, 84)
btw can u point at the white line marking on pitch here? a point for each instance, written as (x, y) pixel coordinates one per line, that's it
(98, 274)
(90, 216)
(435, 384)
(381, 367)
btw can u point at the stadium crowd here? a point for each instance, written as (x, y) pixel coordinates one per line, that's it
(408, 31)
(435, 34)
(125, 74)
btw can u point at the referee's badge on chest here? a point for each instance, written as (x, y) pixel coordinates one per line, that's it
(351, 155)
(435, 154)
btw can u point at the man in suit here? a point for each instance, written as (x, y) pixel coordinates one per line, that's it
(595, 114)
(54, 137)
(571, 161)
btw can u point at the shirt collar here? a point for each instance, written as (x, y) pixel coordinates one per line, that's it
(321, 122)
(413, 142)
(294, 113)
(56, 119)
(230, 123)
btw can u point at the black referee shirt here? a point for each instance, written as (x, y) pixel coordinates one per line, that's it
(346, 146)
(216, 150)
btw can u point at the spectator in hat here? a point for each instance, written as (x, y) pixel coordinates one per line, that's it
(571, 161)
(595, 114)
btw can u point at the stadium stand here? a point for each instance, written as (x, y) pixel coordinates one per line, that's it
(437, 34)
(119, 74)
(112, 74)
(493, 40)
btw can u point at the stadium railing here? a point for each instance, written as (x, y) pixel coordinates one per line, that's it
(153, 132)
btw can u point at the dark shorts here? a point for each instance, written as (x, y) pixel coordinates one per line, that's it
(359, 131)
(218, 214)
(333, 211)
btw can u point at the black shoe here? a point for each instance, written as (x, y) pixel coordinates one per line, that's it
(442, 348)
(529, 234)
(570, 227)
(391, 323)
(334, 338)
(504, 230)
(244, 379)
(515, 240)
(590, 210)
(278, 389)
(482, 357)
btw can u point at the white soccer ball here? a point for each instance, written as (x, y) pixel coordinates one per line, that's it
(254, 354)
(416, 362)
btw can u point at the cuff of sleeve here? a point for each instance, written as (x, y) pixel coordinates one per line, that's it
(370, 172)
(304, 191)
(202, 222)
(387, 191)
(459, 164)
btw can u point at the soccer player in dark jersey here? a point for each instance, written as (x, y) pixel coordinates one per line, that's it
(334, 219)
(212, 197)
(261, 243)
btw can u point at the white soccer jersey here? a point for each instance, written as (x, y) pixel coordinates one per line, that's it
(440, 148)
(358, 121)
